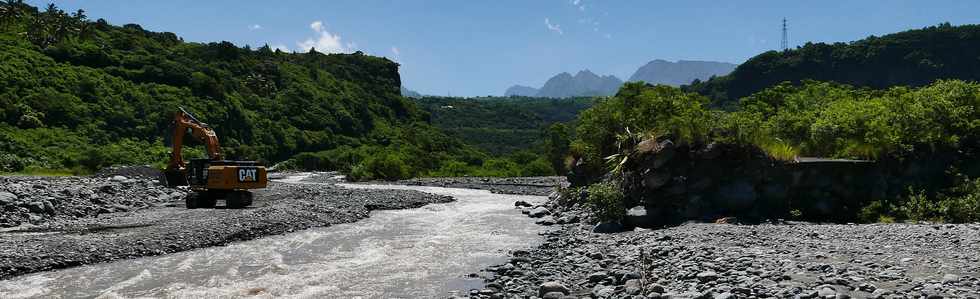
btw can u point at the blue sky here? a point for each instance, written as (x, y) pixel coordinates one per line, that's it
(476, 48)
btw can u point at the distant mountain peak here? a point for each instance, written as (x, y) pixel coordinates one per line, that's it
(410, 93)
(584, 83)
(521, 90)
(659, 71)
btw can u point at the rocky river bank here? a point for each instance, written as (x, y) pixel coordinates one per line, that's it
(540, 186)
(768, 260)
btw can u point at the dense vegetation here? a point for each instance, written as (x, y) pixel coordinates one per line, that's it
(81, 95)
(501, 125)
(525, 135)
(935, 124)
(909, 58)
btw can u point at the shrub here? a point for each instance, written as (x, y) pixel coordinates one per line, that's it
(606, 201)
(874, 211)
(568, 196)
(537, 167)
(386, 166)
(917, 206)
(962, 204)
(451, 168)
(12, 163)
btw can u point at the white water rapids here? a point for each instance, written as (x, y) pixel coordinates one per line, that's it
(413, 253)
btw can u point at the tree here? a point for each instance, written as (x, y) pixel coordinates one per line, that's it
(10, 11)
(558, 145)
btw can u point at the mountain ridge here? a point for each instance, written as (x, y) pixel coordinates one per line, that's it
(682, 72)
(584, 83)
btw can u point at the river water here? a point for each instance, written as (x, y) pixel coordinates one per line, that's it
(414, 253)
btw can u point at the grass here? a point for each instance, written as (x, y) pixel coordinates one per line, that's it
(780, 150)
(47, 172)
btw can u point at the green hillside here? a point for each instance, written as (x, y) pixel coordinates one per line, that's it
(910, 58)
(501, 125)
(80, 94)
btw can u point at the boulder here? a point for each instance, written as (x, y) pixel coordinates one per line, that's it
(725, 295)
(608, 227)
(552, 286)
(667, 150)
(521, 203)
(707, 276)
(602, 291)
(108, 189)
(649, 146)
(35, 207)
(554, 195)
(118, 178)
(826, 290)
(567, 218)
(7, 198)
(546, 221)
(950, 278)
(48, 207)
(633, 286)
(553, 295)
(656, 179)
(539, 212)
(598, 276)
(657, 288)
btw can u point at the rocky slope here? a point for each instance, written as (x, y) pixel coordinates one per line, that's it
(781, 260)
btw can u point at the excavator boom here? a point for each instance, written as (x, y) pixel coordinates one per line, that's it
(184, 123)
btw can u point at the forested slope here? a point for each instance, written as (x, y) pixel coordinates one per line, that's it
(911, 58)
(78, 94)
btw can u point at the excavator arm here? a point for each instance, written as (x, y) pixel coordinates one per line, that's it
(185, 123)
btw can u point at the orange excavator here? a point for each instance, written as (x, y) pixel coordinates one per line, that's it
(211, 178)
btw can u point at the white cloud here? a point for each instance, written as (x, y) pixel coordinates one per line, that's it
(553, 27)
(397, 53)
(255, 27)
(325, 42)
(579, 4)
(280, 47)
(608, 36)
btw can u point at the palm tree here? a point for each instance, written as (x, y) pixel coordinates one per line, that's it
(10, 10)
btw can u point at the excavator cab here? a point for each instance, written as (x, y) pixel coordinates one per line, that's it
(211, 178)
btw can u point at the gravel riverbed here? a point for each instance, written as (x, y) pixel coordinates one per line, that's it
(776, 260)
(162, 225)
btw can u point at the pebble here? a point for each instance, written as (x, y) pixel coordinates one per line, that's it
(552, 286)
